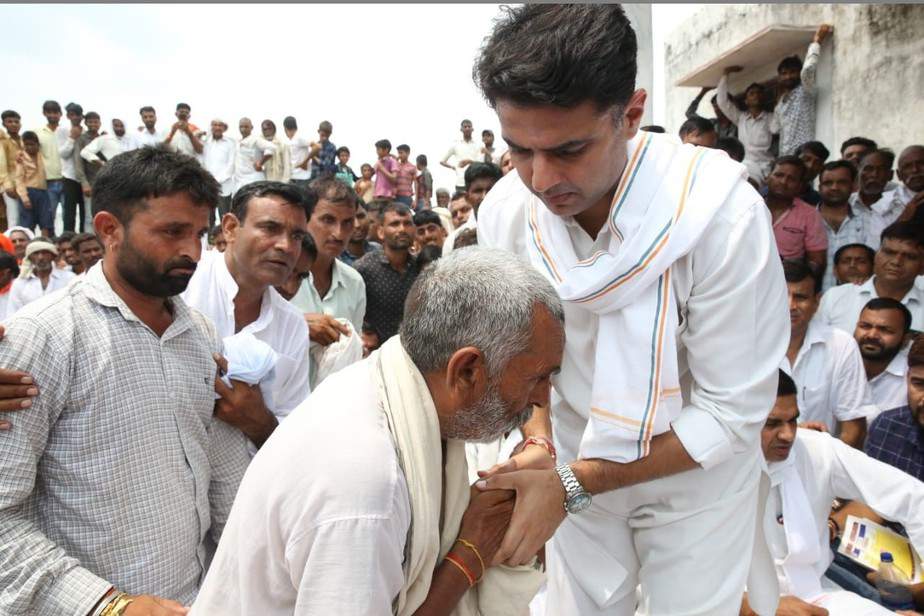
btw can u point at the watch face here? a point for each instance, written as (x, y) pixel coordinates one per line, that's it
(579, 502)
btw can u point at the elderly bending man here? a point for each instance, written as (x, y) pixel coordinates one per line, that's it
(360, 503)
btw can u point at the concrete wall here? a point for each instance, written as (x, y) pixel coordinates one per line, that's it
(870, 76)
(640, 16)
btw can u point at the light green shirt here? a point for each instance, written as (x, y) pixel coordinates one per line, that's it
(346, 298)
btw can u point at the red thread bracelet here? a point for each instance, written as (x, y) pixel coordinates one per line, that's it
(462, 567)
(542, 442)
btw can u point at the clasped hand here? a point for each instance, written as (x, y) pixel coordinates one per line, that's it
(538, 508)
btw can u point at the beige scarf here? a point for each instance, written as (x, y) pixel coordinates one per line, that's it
(412, 420)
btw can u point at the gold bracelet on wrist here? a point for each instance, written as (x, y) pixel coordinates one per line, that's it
(118, 605)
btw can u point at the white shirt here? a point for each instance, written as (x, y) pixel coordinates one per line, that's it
(146, 137)
(66, 151)
(879, 215)
(212, 290)
(346, 298)
(321, 518)
(109, 146)
(901, 196)
(727, 333)
(299, 148)
(180, 142)
(830, 377)
(841, 305)
(464, 150)
(829, 469)
(26, 290)
(755, 134)
(218, 158)
(250, 150)
(889, 388)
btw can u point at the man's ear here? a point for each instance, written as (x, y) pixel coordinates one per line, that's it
(230, 224)
(633, 112)
(109, 230)
(467, 374)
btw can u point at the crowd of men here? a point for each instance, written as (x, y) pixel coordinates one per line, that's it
(218, 312)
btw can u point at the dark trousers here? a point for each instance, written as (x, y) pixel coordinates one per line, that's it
(41, 212)
(73, 200)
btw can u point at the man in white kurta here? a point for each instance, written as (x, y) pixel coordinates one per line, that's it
(252, 152)
(353, 507)
(895, 269)
(249, 268)
(825, 363)
(883, 338)
(675, 325)
(807, 471)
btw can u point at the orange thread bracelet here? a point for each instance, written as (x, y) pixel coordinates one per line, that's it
(461, 567)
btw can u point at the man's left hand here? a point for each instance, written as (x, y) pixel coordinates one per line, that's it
(242, 406)
(538, 512)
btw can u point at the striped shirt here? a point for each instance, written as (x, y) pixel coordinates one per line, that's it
(404, 184)
(119, 474)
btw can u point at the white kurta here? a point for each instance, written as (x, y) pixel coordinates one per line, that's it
(212, 290)
(26, 290)
(250, 150)
(841, 305)
(831, 469)
(321, 518)
(218, 158)
(726, 290)
(148, 138)
(830, 377)
(878, 216)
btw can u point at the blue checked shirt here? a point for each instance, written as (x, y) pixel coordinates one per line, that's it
(119, 474)
(327, 158)
(897, 439)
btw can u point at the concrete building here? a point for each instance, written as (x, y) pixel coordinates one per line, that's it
(640, 17)
(870, 75)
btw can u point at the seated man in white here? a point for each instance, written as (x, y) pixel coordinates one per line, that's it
(825, 363)
(808, 470)
(360, 502)
(895, 268)
(235, 289)
(883, 335)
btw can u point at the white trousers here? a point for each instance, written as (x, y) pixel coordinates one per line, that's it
(12, 210)
(686, 540)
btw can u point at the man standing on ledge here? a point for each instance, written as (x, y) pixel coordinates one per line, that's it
(676, 322)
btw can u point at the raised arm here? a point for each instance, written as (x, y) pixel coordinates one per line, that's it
(811, 57)
(694, 104)
(722, 99)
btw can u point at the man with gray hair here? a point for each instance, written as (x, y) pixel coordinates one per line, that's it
(380, 514)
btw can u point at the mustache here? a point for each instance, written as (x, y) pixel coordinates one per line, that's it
(179, 263)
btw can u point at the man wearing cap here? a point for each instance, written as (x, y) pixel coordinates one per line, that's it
(39, 276)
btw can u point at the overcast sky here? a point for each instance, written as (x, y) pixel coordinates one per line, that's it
(401, 72)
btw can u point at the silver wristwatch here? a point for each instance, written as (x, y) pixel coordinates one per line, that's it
(577, 499)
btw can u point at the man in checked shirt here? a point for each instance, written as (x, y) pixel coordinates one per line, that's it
(118, 478)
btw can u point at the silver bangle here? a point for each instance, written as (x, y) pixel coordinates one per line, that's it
(104, 603)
